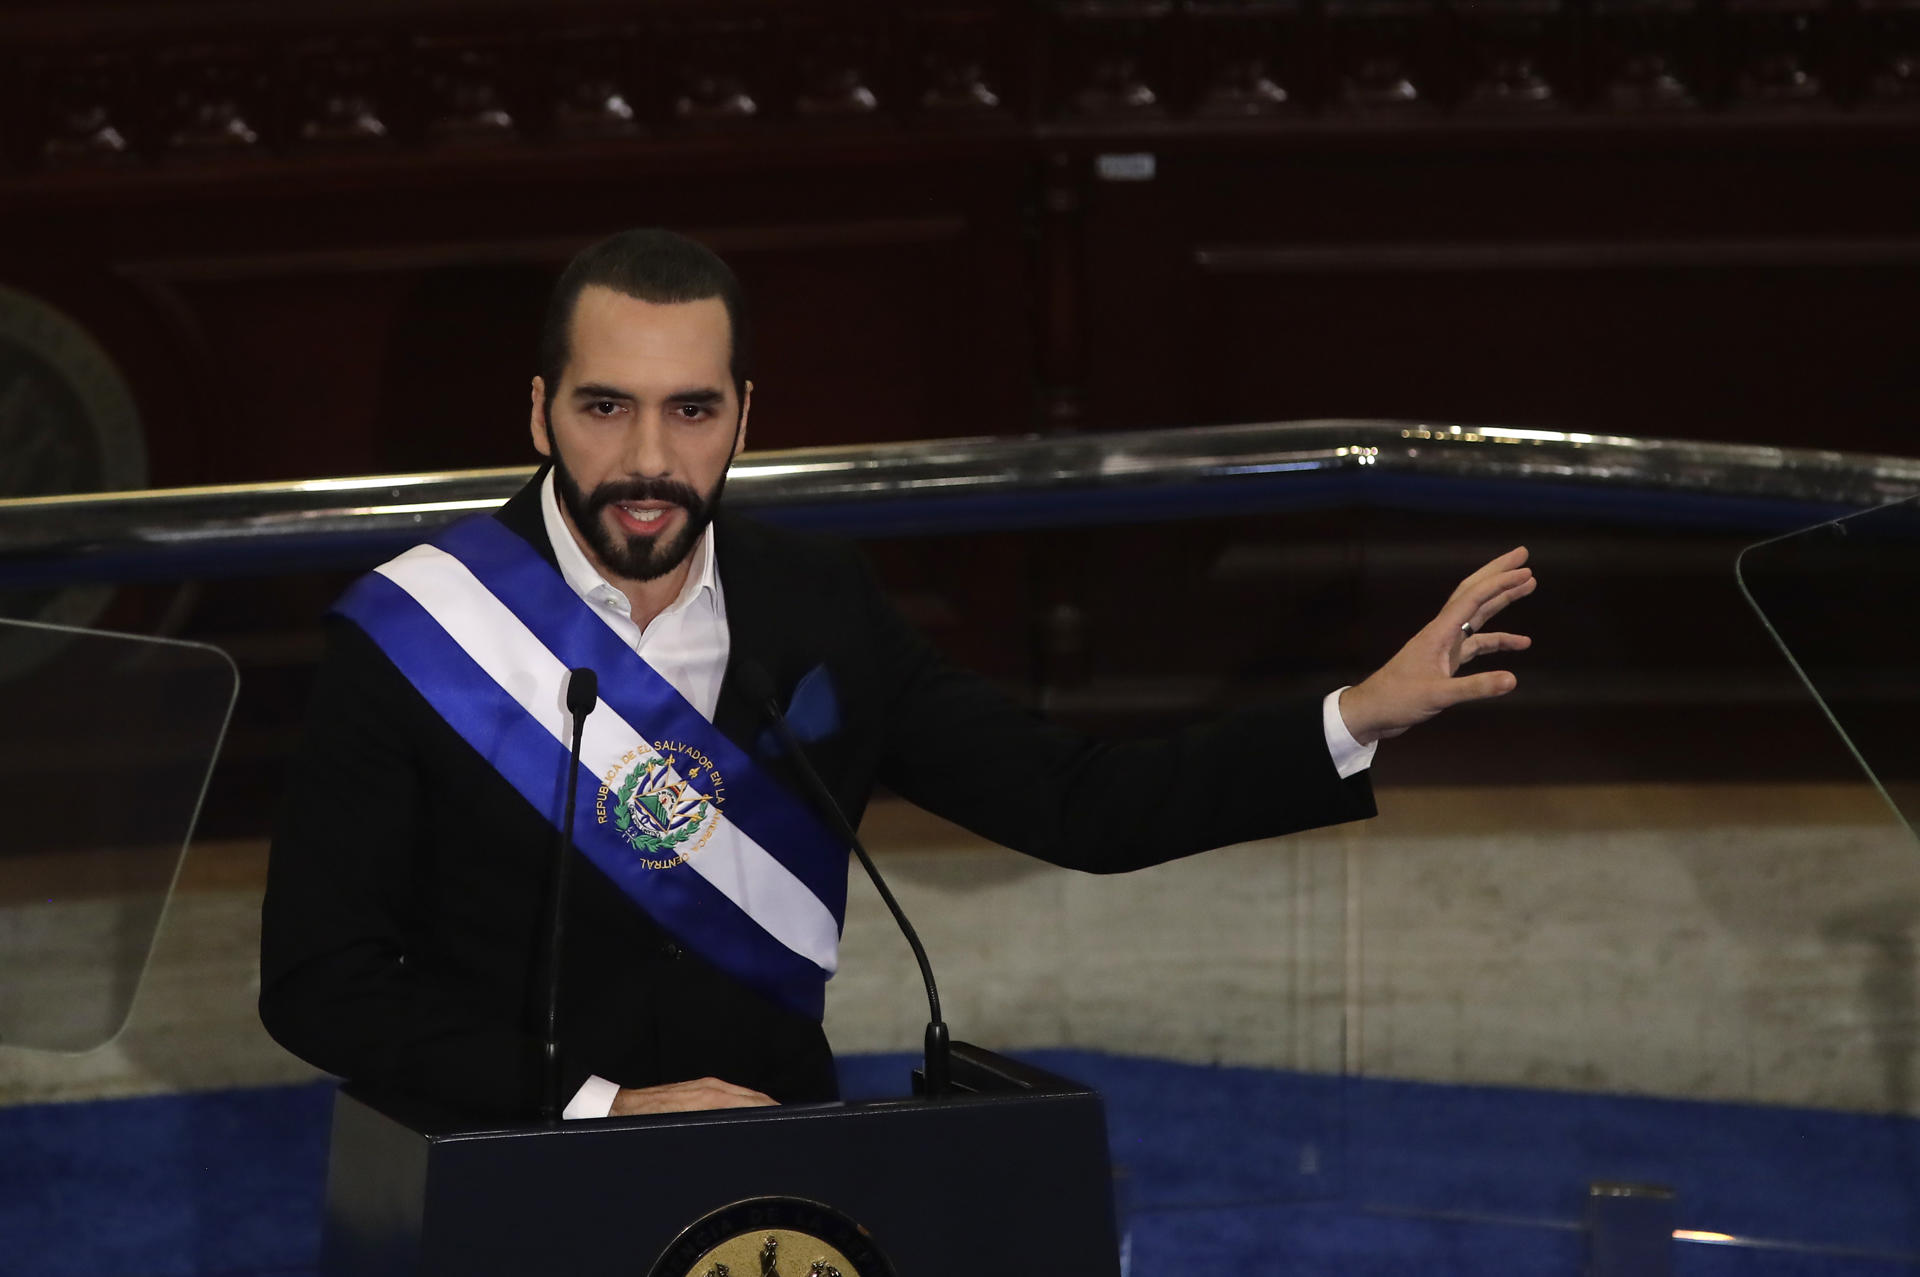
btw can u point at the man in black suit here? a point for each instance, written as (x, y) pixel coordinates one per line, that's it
(408, 876)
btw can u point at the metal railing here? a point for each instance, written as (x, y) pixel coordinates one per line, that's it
(946, 485)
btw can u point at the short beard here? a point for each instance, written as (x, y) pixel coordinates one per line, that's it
(635, 558)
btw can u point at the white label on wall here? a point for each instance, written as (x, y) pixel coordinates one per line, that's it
(1132, 166)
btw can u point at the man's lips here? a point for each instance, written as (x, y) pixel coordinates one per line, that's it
(642, 518)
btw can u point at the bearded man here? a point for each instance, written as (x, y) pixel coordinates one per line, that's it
(402, 929)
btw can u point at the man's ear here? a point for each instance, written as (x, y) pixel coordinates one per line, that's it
(537, 418)
(740, 435)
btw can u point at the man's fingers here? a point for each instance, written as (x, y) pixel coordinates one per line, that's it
(1422, 679)
(1481, 644)
(1480, 687)
(1494, 606)
(688, 1097)
(1466, 604)
(1514, 558)
(745, 1100)
(727, 1088)
(719, 1083)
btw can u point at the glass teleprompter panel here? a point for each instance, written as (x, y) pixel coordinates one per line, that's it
(106, 744)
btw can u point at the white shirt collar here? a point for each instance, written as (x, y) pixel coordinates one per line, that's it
(585, 579)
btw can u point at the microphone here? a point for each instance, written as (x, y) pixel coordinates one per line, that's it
(756, 684)
(583, 692)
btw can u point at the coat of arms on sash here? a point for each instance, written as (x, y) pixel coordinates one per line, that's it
(662, 801)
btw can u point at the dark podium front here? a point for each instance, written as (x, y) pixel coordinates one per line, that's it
(1009, 1176)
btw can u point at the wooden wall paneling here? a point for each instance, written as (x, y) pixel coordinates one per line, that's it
(723, 75)
(220, 103)
(1148, 622)
(69, 418)
(837, 364)
(1250, 61)
(1137, 312)
(180, 412)
(316, 375)
(157, 358)
(1062, 331)
(1272, 281)
(418, 357)
(595, 84)
(843, 72)
(1514, 58)
(1111, 61)
(962, 67)
(471, 89)
(1882, 57)
(1385, 59)
(315, 366)
(1649, 57)
(1006, 276)
(1778, 57)
(1796, 353)
(980, 597)
(428, 136)
(73, 109)
(338, 95)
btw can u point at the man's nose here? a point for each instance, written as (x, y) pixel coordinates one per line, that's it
(646, 448)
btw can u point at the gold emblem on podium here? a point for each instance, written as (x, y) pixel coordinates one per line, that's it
(774, 1237)
(777, 1254)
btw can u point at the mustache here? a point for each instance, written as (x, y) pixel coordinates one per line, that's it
(642, 489)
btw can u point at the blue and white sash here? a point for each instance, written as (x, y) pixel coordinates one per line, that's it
(678, 816)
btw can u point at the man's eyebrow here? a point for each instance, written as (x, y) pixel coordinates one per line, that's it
(699, 395)
(594, 390)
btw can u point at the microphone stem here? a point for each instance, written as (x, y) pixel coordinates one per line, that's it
(550, 1106)
(937, 1054)
(899, 916)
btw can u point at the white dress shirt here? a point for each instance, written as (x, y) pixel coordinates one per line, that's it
(688, 645)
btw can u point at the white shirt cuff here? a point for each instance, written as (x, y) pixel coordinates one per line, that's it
(594, 1099)
(1349, 755)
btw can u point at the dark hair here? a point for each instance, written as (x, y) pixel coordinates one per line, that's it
(653, 265)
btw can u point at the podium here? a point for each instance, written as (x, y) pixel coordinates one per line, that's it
(1009, 1175)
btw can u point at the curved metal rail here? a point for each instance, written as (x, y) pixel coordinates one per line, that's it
(948, 485)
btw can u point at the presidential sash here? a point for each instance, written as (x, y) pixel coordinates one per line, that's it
(678, 816)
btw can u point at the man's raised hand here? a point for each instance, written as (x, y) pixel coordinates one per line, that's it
(686, 1097)
(1423, 677)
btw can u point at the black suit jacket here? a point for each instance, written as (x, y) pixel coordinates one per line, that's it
(405, 892)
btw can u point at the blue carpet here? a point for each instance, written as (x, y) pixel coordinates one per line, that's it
(171, 1186)
(1830, 1179)
(1241, 1171)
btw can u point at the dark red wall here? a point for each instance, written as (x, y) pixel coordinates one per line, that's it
(1670, 221)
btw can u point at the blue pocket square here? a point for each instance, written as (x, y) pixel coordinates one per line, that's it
(813, 713)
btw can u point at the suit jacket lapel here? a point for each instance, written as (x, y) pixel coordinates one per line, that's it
(521, 513)
(757, 605)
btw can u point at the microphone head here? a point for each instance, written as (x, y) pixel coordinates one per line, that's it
(583, 689)
(751, 677)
